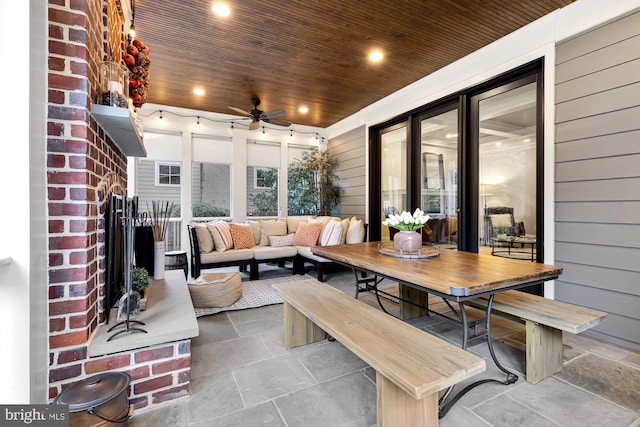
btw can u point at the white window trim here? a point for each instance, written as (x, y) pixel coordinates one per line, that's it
(157, 173)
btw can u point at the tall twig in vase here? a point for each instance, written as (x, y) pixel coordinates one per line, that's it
(160, 214)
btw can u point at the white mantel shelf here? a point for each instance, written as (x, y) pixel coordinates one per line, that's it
(169, 317)
(119, 123)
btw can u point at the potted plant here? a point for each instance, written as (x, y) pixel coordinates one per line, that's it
(140, 284)
(312, 185)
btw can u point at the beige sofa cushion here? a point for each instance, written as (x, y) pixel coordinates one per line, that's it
(229, 255)
(271, 228)
(293, 221)
(255, 228)
(205, 239)
(355, 233)
(261, 253)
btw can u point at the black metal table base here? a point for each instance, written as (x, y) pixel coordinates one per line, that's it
(471, 330)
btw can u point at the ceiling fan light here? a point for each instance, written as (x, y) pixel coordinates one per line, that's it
(303, 109)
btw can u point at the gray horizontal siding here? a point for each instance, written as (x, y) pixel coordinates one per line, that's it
(611, 279)
(349, 150)
(147, 190)
(597, 176)
(617, 144)
(611, 212)
(599, 168)
(599, 38)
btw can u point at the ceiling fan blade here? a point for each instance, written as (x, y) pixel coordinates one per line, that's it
(273, 114)
(241, 111)
(254, 125)
(278, 122)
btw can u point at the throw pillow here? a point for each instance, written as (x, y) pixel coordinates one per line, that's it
(255, 228)
(355, 233)
(279, 241)
(345, 227)
(331, 233)
(293, 221)
(501, 220)
(307, 234)
(242, 236)
(221, 235)
(271, 228)
(324, 220)
(205, 239)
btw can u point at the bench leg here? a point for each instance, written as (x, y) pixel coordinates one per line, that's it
(298, 329)
(397, 408)
(407, 310)
(544, 351)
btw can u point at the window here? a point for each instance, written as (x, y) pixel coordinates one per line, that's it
(262, 178)
(211, 190)
(167, 174)
(263, 175)
(211, 177)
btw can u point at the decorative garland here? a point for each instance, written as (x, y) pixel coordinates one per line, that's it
(137, 61)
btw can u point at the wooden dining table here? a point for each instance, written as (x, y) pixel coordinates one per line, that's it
(453, 275)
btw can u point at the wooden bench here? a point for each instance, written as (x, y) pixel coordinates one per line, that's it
(411, 365)
(544, 319)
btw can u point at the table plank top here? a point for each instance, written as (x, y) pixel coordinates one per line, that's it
(454, 273)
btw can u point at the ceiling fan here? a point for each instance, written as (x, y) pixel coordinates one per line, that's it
(256, 115)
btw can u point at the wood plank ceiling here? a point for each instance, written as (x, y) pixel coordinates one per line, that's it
(313, 52)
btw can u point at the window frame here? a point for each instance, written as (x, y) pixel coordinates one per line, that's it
(257, 169)
(159, 164)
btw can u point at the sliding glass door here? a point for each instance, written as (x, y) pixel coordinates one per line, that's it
(439, 175)
(393, 172)
(507, 134)
(463, 158)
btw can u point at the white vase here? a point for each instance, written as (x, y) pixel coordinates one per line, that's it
(407, 241)
(158, 260)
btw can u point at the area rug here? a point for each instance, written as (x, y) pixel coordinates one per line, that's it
(255, 293)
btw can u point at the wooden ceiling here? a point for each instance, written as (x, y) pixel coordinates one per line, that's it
(313, 52)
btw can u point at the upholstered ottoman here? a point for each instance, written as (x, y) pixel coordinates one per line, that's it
(215, 290)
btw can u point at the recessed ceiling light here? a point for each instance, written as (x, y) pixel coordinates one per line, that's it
(221, 9)
(198, 91)
(376, 56)
(303, 109)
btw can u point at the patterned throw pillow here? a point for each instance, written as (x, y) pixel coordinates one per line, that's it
(307, 234)
(221, 235)
(242, 236)
(331, 234)
(279, 241)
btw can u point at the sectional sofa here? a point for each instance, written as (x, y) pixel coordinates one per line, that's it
(217, 244)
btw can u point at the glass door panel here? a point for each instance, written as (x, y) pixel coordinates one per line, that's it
(439, 176)
(393, 173)
(507, 166)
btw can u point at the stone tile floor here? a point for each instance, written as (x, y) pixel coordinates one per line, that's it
(243, 376)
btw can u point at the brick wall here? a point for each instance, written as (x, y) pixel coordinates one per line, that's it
(83, 33)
